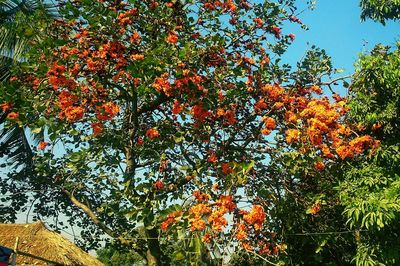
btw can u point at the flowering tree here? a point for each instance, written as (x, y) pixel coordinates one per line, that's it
(170, 116)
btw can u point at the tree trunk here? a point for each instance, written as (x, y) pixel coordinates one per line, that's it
(154, 253)
(151, 260)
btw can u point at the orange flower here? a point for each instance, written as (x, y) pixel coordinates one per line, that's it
(319, 166)
(5, 107)
(137, 57)
(360, 144)
(73, 113)
(199, 209)
(197, 224)
(140, 141)
(226, 169)
(260, 105)
(172, 38)
(135, 37)
(212, 158)
(269, 122)
(344, 152)
(247, 246)
(376, 126)
(152, 133)
(292, 135)
(256, 217)
(206, 238)
(274, 91)
(290, 117)
(265, 131)
(97, 128)
(200, 197)
(230, 117)
(189, 177)
(171, 218)
(158, 184)
(177, 107)
(315, 208)
(316, 89)
(241, 232)
(199, 113)
(162, 84)
(107, 111)
(225, 203)
(217, 220)
(42, 145)
(259, 22)
(13, 115)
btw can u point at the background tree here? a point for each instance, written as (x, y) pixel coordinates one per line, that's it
(20, 27)
(370, 189)
(380, 10)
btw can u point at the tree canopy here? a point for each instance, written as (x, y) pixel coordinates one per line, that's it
(173, 128)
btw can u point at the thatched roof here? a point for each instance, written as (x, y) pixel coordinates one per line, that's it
(37, 240)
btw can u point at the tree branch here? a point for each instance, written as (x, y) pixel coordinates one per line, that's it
(153, 105)
(101, 225)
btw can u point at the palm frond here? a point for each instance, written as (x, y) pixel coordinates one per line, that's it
(14, 16)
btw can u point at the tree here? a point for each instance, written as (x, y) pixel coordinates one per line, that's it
(370, 189)
(113, 255)
(170, 116)
(379, 10)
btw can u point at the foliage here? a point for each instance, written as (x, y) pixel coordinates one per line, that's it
(113, 256)
(371, 187)
(21, 24)
(380, 10)
(178, 119)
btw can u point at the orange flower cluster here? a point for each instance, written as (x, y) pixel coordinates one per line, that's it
(292, 135)
(171, 218)
(97, 128)
(313, 123)
(255, 217)
(200, 197)
(315, 208)
(5, 107)
(107, 111)
(126, 17)
(227, 5)
(200, 114)
(152, 133)
(196, 221)
(162, 85)
(57, 79)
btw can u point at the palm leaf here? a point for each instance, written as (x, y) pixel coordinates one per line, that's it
(15, 15)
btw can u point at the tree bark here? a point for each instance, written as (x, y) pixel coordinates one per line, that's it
(154, 253)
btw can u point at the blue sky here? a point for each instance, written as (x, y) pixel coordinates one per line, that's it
(335, 25)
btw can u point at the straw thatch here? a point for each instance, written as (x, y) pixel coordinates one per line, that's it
(37, 240)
